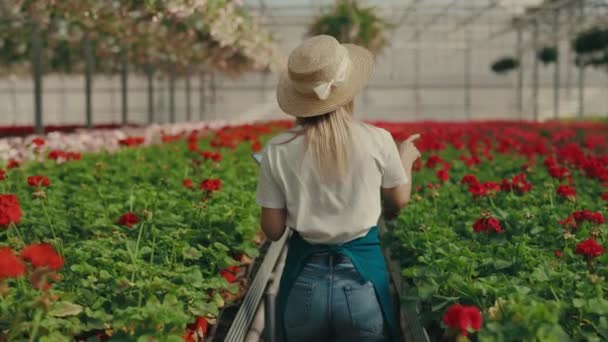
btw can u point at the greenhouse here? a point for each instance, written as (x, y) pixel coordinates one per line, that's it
(138, 141)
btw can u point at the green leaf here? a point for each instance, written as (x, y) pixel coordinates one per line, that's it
(579, 302)
(65, 309)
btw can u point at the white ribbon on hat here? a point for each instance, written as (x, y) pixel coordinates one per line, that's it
(323, 88)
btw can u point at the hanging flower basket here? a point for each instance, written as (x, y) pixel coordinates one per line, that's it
(350, 23)
(548, 55)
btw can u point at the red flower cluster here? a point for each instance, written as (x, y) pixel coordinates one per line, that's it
(605, 196)
(566, 191)
(581, 216)
(558, 254)
(10, 210)
(2, 175)
(42, 255)
(470, 161)
(211, 185)
(58, 155)
(131, 141)
(38, 181)
(478, 189)
(434, 160)
(38, 142)
(10, 265)
(443, 175)
(230, 273)
(128, 219)
(519, 182)
(197, 331)
(463, 319)
(487, 225)
(13, 164)
(555, 170)
(208, 155)
(188, 183)
(589, 249)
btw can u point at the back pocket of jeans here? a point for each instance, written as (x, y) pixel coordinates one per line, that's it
(364, 308)
(297, 311)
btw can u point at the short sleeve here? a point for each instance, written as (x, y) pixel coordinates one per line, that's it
(268, 193)
(393, 174)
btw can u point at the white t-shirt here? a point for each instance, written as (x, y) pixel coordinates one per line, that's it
(330, 212)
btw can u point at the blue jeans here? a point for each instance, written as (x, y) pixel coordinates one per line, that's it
(330, 302)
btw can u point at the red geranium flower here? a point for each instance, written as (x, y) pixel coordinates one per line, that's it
(128, 219)
(558, 254)
(605, 196)
(211, 184)
(462, 318)
(581, 216)
(469, 179)
(196, 331)
(487, 224)
(443, 175)
(38, 142)
(566, 191)
(433, 161)
(12, 164)
(477, 189)
(132, 141)
(589, 249)
(2, 175)
(38, 181)
(208, 155)
(10, 265)
(188, 183)
(230, 273)
(10, 210)
(56, 154)
(42, 255)
(256, 146)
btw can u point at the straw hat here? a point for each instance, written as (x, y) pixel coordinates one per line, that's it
(323, 75)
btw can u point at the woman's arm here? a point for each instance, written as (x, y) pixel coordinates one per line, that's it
(399, 196)
(273, 222)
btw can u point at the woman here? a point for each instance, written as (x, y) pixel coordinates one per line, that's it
(323, 179)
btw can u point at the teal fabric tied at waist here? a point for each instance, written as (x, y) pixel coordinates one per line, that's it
(365, 254)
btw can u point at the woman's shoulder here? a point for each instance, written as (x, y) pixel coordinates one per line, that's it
(377, 134)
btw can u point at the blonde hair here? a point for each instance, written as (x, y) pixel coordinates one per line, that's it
(328, 141)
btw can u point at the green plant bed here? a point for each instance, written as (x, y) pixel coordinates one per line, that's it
(150, 278)
(529, 281)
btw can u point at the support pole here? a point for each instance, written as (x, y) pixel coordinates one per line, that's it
(188, 99)
(416, 67)
(535, 84)
(520, 73)
(88, 80)
(467, 76)
(213, 94)
(202, 101)
(172, 97)
(150, 76)
(124, 72)
(581, 70)
(37, 76)
(556, 65)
